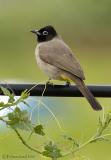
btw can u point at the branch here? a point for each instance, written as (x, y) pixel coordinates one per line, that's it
(22, 140)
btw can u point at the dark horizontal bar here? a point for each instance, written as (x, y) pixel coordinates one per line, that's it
(58, 90)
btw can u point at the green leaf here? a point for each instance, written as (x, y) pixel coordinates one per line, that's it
(25, 94)
(5, 91)
(107, 120)
(11, 98)
(19, 119)
(75, 143)
(51, 150)
(39, 130)
(2, 104)
(102, 125)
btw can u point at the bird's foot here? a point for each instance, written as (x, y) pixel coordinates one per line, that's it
(67, 83)
(49, 82)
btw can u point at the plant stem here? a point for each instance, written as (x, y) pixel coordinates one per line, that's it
(86, 143)
(24, 142)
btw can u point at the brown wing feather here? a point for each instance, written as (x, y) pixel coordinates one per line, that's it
(57, 53)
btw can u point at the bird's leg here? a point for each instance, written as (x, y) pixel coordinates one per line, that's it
(49, 82)
(67, 83)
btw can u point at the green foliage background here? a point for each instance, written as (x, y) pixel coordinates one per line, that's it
(86, 26)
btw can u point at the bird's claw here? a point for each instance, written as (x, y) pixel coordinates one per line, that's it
(67, 83)
(49, 83)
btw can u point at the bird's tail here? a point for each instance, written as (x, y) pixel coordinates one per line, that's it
(86, 93)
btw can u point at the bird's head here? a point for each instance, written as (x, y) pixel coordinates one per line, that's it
(45, 34)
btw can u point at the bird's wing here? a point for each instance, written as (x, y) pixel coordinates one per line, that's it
(57, 53)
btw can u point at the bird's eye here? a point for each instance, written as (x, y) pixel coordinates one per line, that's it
(45, 33)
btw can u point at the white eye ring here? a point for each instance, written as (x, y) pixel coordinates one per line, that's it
(45, 33)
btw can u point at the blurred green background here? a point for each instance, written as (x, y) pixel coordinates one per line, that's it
(85, 26)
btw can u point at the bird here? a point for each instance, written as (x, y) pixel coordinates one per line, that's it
(57, 61)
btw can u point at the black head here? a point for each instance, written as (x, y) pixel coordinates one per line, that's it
(45, 34)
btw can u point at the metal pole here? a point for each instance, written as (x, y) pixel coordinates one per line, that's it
(58, 90)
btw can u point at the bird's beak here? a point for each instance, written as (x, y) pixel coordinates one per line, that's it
(36, 32)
